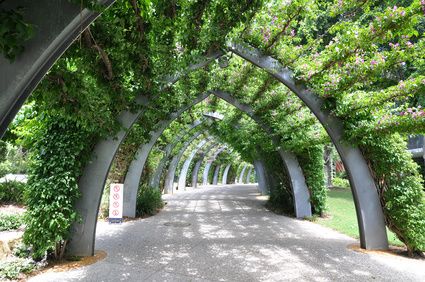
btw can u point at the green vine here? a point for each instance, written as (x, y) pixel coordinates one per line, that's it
(14, 32)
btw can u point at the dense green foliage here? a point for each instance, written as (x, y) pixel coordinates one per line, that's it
(56, 160)
(401, 189)
(365, 59)
(312, 163)
(14, 31)
(10, 221)
(12, 192)
(12, 269)
(148, 201)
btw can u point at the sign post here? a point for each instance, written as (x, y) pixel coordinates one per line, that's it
(115, 202)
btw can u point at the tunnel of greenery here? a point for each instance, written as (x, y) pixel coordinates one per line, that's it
(364, 59)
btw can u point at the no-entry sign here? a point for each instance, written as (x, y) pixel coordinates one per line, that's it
(115, 203)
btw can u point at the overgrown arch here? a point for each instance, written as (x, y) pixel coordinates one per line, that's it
(362, 213)
(298, 185)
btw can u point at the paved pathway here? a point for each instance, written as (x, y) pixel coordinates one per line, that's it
(232, 237)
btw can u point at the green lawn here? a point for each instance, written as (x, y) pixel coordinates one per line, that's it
(342, 215)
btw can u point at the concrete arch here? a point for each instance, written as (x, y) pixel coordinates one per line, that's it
(95, 173)
(155, 180)
(169, 179)
(297, 182)
(198, 164)
(299, 188)
(135, 170)
(369, 212)
(261, 176)
(65, 30)
(248, 175)
(205, 180)
(240, 179)
(216, 173)
(55, 33)
(225, 174)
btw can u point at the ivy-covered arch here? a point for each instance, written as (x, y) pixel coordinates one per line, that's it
(155, 180)
(370, 217)
(300, 192)
(349, 38)
(56, 31)
(198, 164)
(209, 162)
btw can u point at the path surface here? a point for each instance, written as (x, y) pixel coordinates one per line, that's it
(232, 237)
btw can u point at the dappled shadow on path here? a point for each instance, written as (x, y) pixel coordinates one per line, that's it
(232, 237)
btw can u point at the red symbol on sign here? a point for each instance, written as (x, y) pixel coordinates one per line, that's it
(115, 212)
(116, 196)
(116, 188)
(115, 204)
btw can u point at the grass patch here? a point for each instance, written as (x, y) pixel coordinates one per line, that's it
(342, 215)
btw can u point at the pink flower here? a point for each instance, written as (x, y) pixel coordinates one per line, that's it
(409, 44)
(373, 62)
(403, 13)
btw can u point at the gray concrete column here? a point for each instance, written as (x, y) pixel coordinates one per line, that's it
(198, 164)
(135, 170)
(261, 177)
(248, 176)
(225, 173)
(92, 182)
(301, 196)
(205, 180)
(300, 192)
(156, 178)
(169, 178)
(216, 172)
(206, 172)
(240, 179)
(369, 212)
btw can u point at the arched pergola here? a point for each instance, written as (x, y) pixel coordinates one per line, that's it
(156, 178)
(209, 162)
(302, 204)
(198, 164)
(66, 25)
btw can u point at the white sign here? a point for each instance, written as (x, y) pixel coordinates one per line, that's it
(115, 202)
